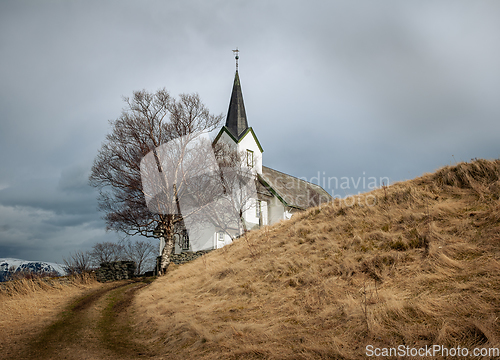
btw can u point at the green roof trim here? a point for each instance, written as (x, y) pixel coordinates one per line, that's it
(254, 136)
(227, 131)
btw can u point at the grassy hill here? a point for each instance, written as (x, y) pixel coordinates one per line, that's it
(413, 264)
(32, 302)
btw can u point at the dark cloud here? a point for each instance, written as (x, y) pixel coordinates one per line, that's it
(385, 89)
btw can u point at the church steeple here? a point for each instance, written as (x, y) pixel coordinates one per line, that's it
(236, 131)
(236, 120)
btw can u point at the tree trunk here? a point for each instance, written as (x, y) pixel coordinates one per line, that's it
(243, 226)
(169, 244)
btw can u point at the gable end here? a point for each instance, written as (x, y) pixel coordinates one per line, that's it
(248, 130)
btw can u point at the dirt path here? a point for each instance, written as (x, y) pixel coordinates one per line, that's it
(96, 326)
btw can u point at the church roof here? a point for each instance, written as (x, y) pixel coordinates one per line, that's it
(292, 191)
(236, 120)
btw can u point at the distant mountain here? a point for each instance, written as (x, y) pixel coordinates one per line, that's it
(17, 265)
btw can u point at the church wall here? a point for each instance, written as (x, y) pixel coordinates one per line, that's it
(226, 239)
(248, 142)
(249, 215)
(265, 213)
(226, 139)
(276, 211)
(199, 239)
(202, 238)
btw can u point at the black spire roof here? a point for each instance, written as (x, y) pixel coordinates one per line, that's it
(236, 120)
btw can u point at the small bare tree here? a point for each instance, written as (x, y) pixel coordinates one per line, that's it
(148, 121)
(78, 263)
(106, 252)
(141, 252)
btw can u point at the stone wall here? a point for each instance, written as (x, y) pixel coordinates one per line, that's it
(178, 259)
(117, 270)
(187, 256)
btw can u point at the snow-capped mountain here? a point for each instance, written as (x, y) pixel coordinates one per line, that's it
(17, 265)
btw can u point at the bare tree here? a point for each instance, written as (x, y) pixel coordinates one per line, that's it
(237, 196)
(78, 263)
(141, 252)
(106, 252)
(148, 121)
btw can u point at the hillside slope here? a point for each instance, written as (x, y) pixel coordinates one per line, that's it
(419, 265)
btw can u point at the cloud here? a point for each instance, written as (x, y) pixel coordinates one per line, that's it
(48, 217)
(388, 88)
(36, 234)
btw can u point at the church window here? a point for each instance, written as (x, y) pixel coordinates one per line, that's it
(220, 236)
(258, 208)
(185, 240)
(249, 158)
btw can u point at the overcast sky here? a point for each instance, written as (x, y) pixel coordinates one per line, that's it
(344, 88)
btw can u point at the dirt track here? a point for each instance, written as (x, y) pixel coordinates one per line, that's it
(96, 326)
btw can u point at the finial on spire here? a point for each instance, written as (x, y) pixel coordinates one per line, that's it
(236, 56)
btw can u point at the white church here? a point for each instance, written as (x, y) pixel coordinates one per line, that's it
(278, 195)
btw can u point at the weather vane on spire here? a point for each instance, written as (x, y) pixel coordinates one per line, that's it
(236, 56)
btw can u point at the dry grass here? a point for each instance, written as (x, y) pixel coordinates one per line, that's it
(29, 304)
(420, 267)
